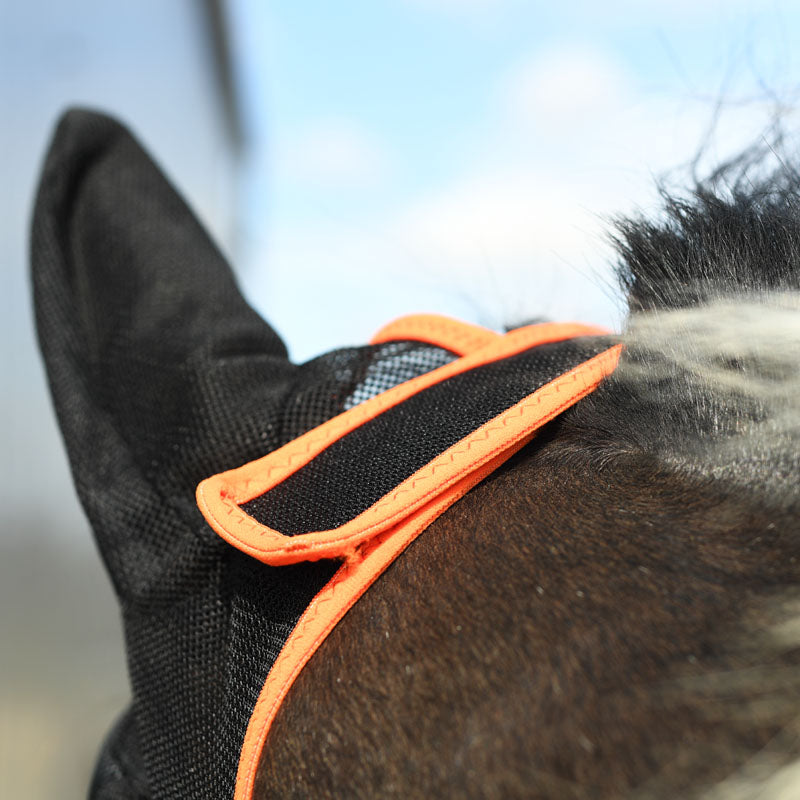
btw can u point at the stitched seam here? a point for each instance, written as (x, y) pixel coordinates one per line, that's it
(351, 419)
(592, 370)
(325, 596)
(313, 611)
(466, 444)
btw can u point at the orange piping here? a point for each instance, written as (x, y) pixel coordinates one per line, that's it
(451, 334)
(364, 566)
(220, 496)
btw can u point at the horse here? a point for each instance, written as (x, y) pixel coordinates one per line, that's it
(610, 613)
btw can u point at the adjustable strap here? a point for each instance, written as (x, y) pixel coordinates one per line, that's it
(451, 334)
(360, 487)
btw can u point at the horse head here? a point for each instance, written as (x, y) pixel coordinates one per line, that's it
(608, 611)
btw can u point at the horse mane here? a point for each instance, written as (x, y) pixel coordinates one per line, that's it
(614, 614)
(733, 233)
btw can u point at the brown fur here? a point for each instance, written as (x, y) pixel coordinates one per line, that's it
(576, 665)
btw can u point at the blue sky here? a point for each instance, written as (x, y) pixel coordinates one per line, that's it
(462, 155)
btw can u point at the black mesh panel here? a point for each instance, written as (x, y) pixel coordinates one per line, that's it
(354, 472)
(340, 380)
(161, 376)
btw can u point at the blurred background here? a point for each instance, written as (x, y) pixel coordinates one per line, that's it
(356, 161)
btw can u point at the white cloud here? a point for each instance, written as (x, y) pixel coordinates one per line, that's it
(501, 215)
(520, 240)
(334, 152)
(562, 84)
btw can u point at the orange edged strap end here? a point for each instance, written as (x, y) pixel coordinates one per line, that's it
(221, 496)
(451, 334)
(368, 542)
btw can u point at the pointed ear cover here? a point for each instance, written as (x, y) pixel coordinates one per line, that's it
(144, 332)
(161, 375)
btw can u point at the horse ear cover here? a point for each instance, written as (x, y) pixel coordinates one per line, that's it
(309, 479)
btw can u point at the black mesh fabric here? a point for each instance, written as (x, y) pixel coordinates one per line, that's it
(342, 379)
(161, 375)
(394, 363)
(357, 470)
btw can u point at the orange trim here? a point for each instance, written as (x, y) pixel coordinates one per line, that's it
(220, 496)
(451, 334)
(363, 566)
(333, 601)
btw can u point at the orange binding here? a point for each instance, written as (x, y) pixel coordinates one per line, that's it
(370, 541)
(451, 334)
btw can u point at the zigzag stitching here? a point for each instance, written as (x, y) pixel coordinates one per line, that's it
(378, 405)
(501, 422)
(325, 437)
(477, 437)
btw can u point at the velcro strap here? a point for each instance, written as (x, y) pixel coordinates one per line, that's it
(359, 474)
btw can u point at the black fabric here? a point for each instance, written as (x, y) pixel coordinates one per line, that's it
(161, 375)
(120, 773)
(342, 379)
(357, 470)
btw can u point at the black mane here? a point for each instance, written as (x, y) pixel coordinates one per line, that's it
(737, 231)
(695, 390)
